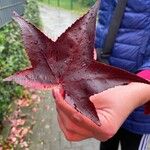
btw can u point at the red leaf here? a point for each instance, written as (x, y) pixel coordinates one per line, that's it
(69, 63)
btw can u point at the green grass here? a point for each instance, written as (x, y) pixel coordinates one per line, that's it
(66, 4)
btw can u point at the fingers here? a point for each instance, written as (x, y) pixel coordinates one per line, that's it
(71, 119)
(70, 133)
(71, 136)
(73, 125)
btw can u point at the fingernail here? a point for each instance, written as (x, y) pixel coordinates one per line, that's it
(92, 98)
(77, 117)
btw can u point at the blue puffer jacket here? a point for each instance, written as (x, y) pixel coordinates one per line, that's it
(131, 50)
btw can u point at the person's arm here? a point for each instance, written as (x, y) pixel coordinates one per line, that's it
(113, 107)
(146, 75)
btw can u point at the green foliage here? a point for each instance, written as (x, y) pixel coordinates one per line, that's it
(32, 13)
(87, 2)
(12, 57)
(79, 7)
(76, 5)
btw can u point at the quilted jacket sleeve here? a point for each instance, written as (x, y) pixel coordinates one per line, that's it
(146, 75)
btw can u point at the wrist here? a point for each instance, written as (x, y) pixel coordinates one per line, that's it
(141, 93)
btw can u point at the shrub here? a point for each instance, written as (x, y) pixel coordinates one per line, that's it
(87, 2)
(12, 57)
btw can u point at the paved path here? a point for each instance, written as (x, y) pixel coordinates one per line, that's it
(46, 133)
(55, 21)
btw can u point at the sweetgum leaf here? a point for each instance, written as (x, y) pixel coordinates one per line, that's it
(68, 62)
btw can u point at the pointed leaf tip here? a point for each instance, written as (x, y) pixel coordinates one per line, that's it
(6, 79)
(15, 14)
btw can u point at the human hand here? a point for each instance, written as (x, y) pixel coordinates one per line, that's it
(113, 106)
(75, 126)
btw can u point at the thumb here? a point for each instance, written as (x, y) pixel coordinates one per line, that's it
(97, 100)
